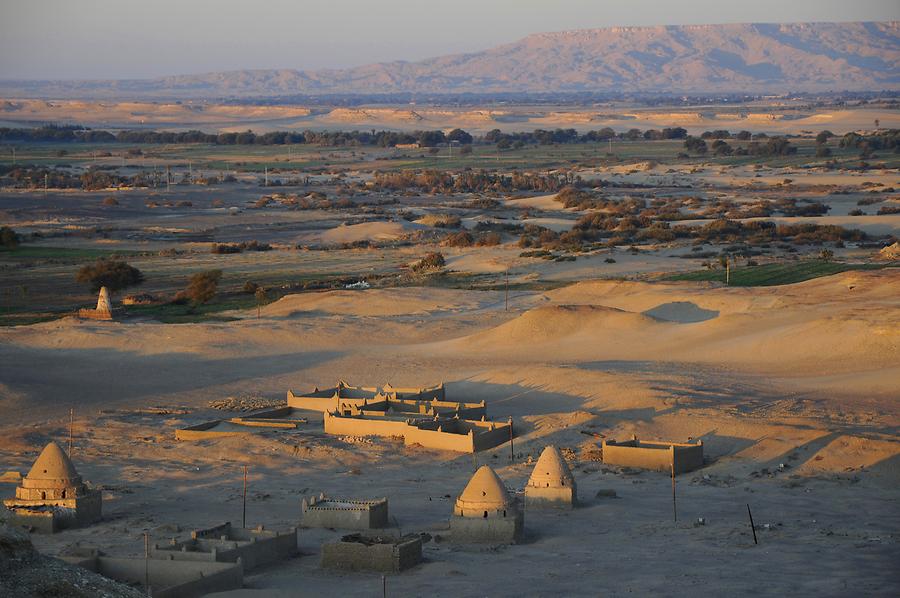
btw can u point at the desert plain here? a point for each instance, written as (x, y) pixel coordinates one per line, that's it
(789, 372)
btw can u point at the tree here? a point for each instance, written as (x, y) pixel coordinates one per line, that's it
(465, 150)
(203, 286)
(695, 144)
(261, 297)
(459, 136)
(827, 255)
(8, 238)
(823, 151)
(824, 136)
(113, 274)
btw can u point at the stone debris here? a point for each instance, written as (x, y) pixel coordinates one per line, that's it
(244, 403)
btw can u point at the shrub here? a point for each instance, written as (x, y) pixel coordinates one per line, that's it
(460, 239)
(489, 239)
(250, 287)
(203, 286)
(112, 274)
(8, 238)
(110, 201)
(432, 261)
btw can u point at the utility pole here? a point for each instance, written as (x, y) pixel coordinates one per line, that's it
(267, 176)
(512, 452)
(191, 172)
(727, 271)
(168, 187)
(674, 509)
(506, 301)
(244, 515)
(147, 562)
(71, 428)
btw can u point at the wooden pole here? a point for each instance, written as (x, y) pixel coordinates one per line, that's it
(506, 301)
(512, 452)
(71, 426)
(244, 501)
(383, 586)
(147, 561)
(752, 527)
(674, 508)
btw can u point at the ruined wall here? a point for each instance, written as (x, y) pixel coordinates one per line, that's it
(227, 544)
(491, 530)
(43, 522)
(168, 579)
(384, 557)
(204, 431)
(659, 456)
(52, 515)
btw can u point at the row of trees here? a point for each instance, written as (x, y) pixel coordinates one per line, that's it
(883, 140)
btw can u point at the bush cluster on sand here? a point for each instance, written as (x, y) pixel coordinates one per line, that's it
(432, 261)
(110, 273)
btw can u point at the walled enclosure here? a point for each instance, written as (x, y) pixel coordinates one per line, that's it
(277, 418)
(551, 483)
(168, 579)
(344, 513)
(485, 513)
(360, 553)
(52, 496)
(228, 544)
(448, 434)
(659, 456)
(344, 396)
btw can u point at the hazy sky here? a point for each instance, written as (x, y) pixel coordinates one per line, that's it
(74, 39)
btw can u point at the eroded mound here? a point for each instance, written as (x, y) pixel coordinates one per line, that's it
(24, 572)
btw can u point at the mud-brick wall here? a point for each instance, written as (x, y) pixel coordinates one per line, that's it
(169, 579)
(355, 556)
(490, 530)
(550, 497)
(373, 517)
(656, 456)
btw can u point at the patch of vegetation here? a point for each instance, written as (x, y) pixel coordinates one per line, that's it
(775, 274)
(112, 274)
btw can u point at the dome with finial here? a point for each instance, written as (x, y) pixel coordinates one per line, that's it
(485, 493)
(551, 471)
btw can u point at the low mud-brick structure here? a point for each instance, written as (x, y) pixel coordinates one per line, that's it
(228, 544)
(344, 513)
(551, 483)
(52, 496)
(677, 457)
(485, 512)
(358, 552)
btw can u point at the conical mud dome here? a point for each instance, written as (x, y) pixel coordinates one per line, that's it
(52, 469)
(484, 492)
(551, 471)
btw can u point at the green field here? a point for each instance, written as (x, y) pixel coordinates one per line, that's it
(60, 253)
(776, 274)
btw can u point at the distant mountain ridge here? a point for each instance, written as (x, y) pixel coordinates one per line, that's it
(736, 58)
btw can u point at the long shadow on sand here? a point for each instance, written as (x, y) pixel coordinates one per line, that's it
(56, 378)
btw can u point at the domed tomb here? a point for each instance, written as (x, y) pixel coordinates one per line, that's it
(551, 483)
(484, 496)
(485, 512)
(53, 495)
